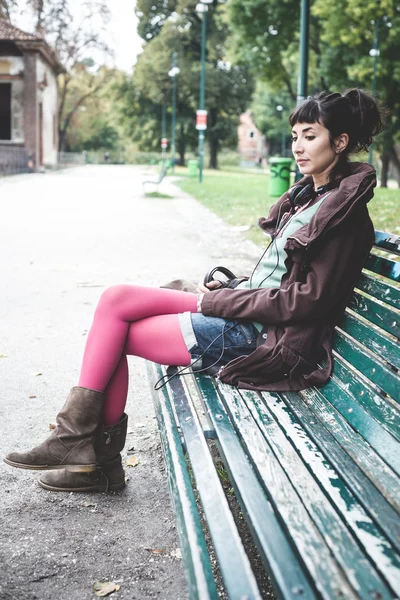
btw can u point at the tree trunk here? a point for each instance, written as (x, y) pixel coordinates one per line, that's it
(385, 169)
(396, 161)
(213, 141)
(181, 146)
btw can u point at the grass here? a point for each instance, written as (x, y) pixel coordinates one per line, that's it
(157, 195)
(241, 197)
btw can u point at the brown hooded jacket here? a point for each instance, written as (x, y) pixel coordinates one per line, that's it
(324, 260)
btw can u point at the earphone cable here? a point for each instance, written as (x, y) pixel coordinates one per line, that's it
(180, 372)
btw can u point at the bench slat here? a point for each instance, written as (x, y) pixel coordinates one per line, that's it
(371, 499)
(379, 289)
(378, 314)
(387, 241)
(276, 552)
(234, 564)
(362, 422)
(383, 266)
(195, 557)
(300, 457)
(385, 348)
(381, 475)
(375, 404)
(257, 436)
(363, 361)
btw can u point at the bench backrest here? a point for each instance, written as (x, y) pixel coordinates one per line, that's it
(365, 386)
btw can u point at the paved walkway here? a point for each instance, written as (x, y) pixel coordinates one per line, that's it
(64, 237)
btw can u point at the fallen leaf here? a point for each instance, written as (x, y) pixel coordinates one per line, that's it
(3, 355)
(31, 396)
(104, 588)
(52, 426)
(132, 461)
(37, 374)
(90, 504)
(156, 550)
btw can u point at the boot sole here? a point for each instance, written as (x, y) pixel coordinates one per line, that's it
(112, 488)
(73, 468)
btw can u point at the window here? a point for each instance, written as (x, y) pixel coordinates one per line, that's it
(5, 111)
(252, 134)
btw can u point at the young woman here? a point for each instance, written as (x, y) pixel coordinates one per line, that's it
(269, 333)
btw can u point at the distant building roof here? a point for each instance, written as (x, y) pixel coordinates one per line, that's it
(29, 41)
(11, 33)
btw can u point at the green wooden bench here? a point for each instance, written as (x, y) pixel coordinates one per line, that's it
(316, 473)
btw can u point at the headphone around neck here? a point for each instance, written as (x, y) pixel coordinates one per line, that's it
(301, 194)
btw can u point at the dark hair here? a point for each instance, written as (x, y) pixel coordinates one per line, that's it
(355, 112)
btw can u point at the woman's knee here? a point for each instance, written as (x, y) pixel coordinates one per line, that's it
(114, 296)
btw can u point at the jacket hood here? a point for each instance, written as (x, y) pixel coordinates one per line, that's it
(354, 190)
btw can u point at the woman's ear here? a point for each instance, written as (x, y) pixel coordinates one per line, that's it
(341, 142)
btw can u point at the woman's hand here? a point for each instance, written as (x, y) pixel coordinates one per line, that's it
(212, 285)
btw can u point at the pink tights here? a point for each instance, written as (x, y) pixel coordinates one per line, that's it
(135, 320)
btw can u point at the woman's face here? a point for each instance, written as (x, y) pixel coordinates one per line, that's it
(311, 147)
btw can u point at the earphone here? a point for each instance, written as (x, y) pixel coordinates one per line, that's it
(182, 371)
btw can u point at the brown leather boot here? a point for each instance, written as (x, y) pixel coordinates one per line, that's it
(108, 477)
(70, 445)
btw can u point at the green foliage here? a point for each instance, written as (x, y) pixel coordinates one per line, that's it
(266, 36)
(95, 123)
(268, 119)
(152, 15)
(228, 88)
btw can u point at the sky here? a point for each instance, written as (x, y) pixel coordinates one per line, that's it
(123, 37)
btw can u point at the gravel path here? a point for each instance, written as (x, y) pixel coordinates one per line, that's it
(65, 237)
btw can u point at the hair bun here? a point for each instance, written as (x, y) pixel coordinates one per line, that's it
(368, 117)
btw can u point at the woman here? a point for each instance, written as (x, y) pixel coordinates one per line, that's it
(270, 333)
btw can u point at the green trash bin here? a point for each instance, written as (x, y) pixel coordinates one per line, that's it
(279, 175)
(192, 167)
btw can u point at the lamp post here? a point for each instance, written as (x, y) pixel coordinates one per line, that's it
(374, 52)
(173, 73)
(279, 108)
(304, 43)
(201, 120)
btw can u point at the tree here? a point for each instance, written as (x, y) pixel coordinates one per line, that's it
(272, 123)
(341, 36)
(76, 42)
(228, 88)
(349, 31)
(6, 7)
(152, 15)
(76, 88)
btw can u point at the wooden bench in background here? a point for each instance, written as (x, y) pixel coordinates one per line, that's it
(316, 473)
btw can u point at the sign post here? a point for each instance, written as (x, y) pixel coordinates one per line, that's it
(201, 126)
(164, 146)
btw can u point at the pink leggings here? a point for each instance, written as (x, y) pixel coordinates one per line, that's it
(135, 320)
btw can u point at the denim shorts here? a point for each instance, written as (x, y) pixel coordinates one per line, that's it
(212, 342)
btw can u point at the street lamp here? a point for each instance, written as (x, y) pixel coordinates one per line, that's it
(173, 73)
(374, 52)
(279, 108)
(304, 44)
(201, 120)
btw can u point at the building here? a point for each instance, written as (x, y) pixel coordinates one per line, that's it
(28, 100)
(252, 144)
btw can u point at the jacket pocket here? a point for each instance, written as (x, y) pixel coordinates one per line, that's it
(296, 364)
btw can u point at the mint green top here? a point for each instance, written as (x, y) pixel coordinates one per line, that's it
(272, 268)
